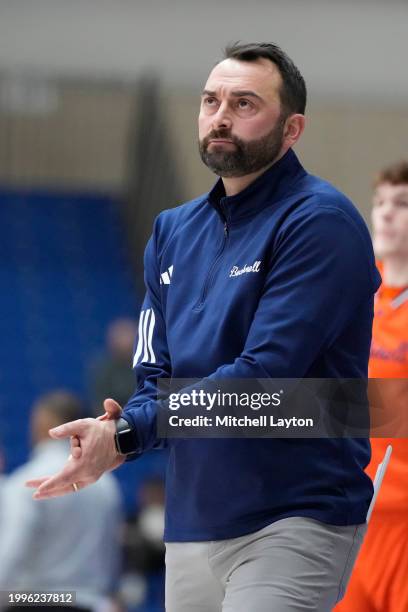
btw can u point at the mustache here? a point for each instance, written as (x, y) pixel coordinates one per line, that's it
(220, 134)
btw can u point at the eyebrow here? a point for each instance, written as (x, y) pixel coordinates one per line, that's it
(401, 193)
(237, 94)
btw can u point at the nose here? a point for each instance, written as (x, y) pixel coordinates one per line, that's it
(387, 210)
(221, 119)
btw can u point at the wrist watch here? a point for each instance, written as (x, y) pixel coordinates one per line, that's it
(125, 438)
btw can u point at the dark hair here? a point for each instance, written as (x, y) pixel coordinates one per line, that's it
(65, 406)
(396, 174)
(293, 91)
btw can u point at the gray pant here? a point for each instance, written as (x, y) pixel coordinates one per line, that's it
(293, 565)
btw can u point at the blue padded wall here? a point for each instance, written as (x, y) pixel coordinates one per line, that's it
(65, 273)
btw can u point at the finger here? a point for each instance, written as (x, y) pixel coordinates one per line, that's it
(103, 417)
(76, 450)
(36, 482)
(76, 453)
(70, 473)
(74, 428)
(59, 491)
(112, 409)
(54, 493)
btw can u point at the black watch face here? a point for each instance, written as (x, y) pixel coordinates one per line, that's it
(126, 442)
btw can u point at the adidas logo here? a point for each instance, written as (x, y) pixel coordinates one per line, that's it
(165, 277)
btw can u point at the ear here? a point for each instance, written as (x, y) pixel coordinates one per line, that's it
(294, 126)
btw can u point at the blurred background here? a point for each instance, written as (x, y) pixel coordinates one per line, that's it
(98, 108)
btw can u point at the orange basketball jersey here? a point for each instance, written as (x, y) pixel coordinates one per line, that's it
(389, 347)
(379, 580)
(389, 359)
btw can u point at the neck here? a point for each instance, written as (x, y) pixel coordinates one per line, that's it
(395, 271)
(235, 184)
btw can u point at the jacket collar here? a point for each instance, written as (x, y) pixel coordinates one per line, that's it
(274, 184)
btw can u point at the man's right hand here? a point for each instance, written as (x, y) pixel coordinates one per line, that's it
(112, 413)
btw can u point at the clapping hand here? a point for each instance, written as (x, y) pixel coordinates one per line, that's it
(93, 452)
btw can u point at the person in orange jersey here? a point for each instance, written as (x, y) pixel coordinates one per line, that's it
(380, 579)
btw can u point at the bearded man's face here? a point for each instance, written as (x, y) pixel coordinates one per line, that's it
(241, 123)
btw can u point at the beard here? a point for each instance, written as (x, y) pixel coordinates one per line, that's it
(248, 156)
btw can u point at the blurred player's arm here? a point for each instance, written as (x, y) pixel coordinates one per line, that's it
(18, 520)
(388, 407)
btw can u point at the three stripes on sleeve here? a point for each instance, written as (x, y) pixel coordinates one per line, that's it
(144, 349)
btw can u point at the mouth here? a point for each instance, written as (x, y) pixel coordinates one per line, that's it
(386, 234)
(220, 141)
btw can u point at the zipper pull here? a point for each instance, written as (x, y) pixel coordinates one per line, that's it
(225, 229)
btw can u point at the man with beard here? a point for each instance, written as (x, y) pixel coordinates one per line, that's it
(269, 275)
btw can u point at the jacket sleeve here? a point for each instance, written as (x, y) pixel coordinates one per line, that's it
(151, 359)
(321, 271)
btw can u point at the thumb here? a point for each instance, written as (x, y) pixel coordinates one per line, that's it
(74, 428)
(112, 409)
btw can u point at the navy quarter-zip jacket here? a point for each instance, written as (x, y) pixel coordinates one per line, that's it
(277, 281)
